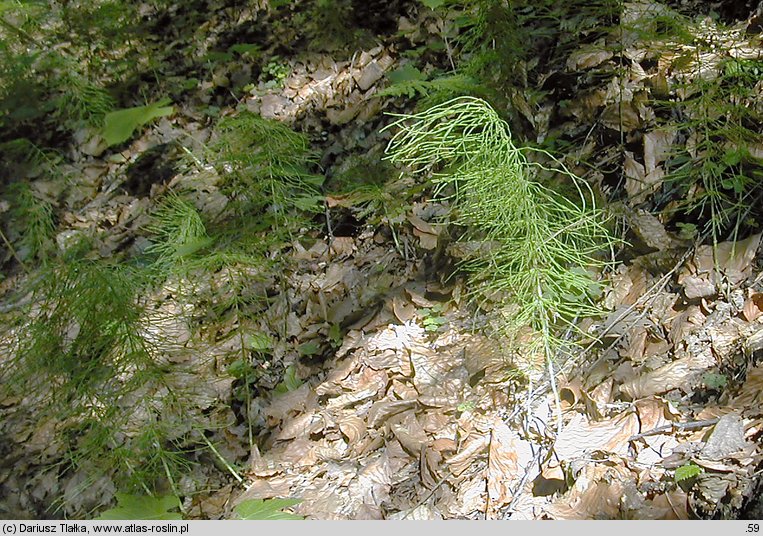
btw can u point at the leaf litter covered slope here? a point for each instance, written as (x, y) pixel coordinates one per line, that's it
(665, 391)
(406, 412)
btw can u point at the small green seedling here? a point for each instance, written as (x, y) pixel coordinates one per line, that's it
(713, 380)
(335, 335)
(432, 318)
(687, 471)
(275, 72)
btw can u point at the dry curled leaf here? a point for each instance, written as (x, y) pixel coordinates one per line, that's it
(353, 428)
(753, 307)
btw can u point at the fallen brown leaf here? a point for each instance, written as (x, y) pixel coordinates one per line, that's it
(753, 307)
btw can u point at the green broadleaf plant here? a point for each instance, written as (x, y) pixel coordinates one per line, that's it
(270, 509)
(119, 126)
(538, 244)
(433, 4)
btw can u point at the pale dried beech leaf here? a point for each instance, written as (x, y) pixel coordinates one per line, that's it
(581, 436)
(601, 395)
(508, 457)
(350, 398)
(366, 379)
(331, 451)
(421, 225)
(627, 286)
(293, 325)
(300, 399)
(697, 287)
(674, 503)
(381, 410)
(753, 307)
(596, 494)
(427, 241)
(671, 376)
(393, 362)
(727, 438)
(471, 497)
(448, 392)
(588, 57)
(300, 426)
(753, 343)
(649, 229)
(337, 375)
(636, 344)
(372, 484)
(403, 309)
(652, 413)
(635, 176)
(395, 337)
(657, 146)
(420, 513)
(724, 338)
(474, 445)
(622, 117)
(266, 488)
(320, 499)
(750, 396)
(353, 427)
(299, 452)
(342, 246)
(733, 258)
(335, 274)
(430, 367)
(410, 434)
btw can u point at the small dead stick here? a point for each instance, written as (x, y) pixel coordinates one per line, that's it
(673, 426)
(536, 460)
(434, 489)
(329, 228)
(428, 496)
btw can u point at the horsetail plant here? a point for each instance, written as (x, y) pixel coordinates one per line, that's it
(538, 244)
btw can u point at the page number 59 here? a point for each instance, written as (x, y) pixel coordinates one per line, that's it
(753, 527)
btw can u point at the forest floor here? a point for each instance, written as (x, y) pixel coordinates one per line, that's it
(408, 410)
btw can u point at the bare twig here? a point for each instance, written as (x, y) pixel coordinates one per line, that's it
(672, 427)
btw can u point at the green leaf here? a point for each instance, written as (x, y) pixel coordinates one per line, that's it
(713, 380)
(192, 246)
(433, 4)
(143, 508)
(406, 73)
(435, 320)
(686, 231)
(309, 348)
(259, 342)
(239, 368)
(120, 125)
(290, 381)
(245, 48)
(335, 334)
(689, 470)
(267, 510)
